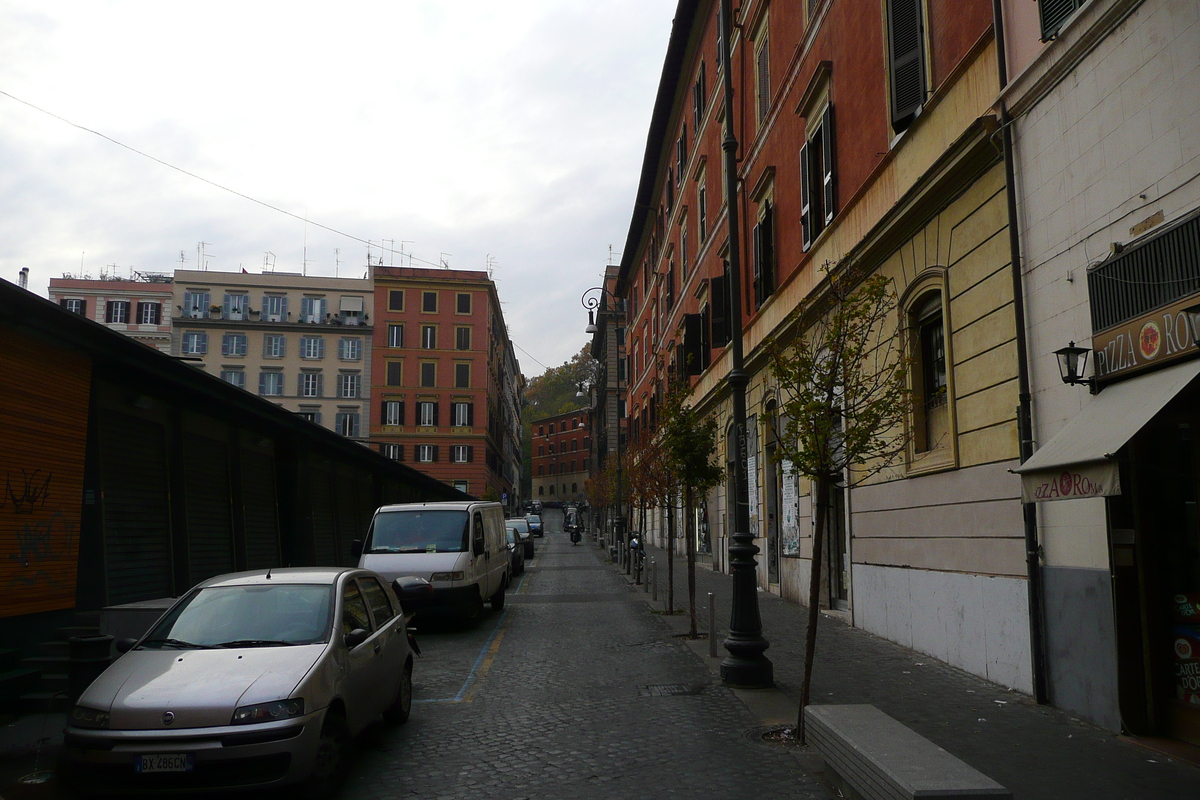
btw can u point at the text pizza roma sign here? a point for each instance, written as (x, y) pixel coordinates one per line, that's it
(1075, 482)
(1153, 340)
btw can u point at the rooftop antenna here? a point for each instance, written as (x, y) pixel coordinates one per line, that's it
(389, 249)
(268, 261)
(81, 255)
(337, 260)
(402, 253)
(182, 256)
(304, 255)
(491, 265)
(442, 258)
(201, 256)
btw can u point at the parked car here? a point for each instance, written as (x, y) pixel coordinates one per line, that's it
(516, 551)
(250, 679)
(535, 524)
(523, 531)
(458, 546)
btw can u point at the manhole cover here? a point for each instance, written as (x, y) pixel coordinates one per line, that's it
(672, 689)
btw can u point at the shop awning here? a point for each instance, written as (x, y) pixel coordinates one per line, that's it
(1079, 460)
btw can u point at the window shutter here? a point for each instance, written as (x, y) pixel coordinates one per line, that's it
(300, 385)
(225, 307)
(225, 343)
(283, 312)
(1054, 13)
(262, 383)
(341, 349)
(827, 154)
(705, 336)
(435, 452)
(767, 238)
(108, 311)
(805, 201)
(470, 414)
(435, 413)
(693, 362)
(470, 453)
(718, 289)
(320, 384)
(383, 409)
(400, 451)
(697, 103)
(321, 347)
(907, 47)
(756, 235)
(764, 78)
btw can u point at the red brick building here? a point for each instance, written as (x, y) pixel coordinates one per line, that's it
(445, 386)
(560, 457)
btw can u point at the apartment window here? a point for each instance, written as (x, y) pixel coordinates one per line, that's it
(817, 178)
(75, 305)
(393, 412)
(350, 311)
(461, 453)
(312, 415)
(313, 309)
(395, 336)
(550, 448)
(310, 384)
(462, 376)
(762, 70)
(553, 471)
(462, 486)
(237, 377)
(236, 306)
(233, 344)
(683, 250)
(274, 308)
(149, 313)
(391, 450)
(1054, 13)
(670, 190)
(395, 300)
(572, 465)
(670, 287)
(195, 343)
(312, 347)
(274, 345)
(462, 303)
(764, 254)
(541, 449)
(462, 338)
(426, 453)
(429, 337)
(702, 206)
(463, 415)
(429, 302)
(429, 374)
(195, 304)
(347, 423)
(270, 383)
(349, 384)
(906, 51)
(681, 154)
(116, 311)
(350, 349)
(541, 430)
(541, 489)
(427, 413)
(541, 472)
(395, 373)
(699, 96)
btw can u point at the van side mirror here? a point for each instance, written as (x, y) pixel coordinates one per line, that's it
(356, 547)
(356, 637)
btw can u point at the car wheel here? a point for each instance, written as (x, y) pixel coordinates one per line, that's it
(397, 713)
(498, 601)
(330, 758)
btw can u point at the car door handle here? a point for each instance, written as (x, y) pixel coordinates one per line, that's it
(377, 648)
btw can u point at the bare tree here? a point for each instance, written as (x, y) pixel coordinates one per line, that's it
(844, 401)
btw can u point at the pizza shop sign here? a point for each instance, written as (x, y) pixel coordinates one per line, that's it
(1075, 482)
(1148, 341)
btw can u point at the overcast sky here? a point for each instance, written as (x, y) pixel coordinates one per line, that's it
(465, 131)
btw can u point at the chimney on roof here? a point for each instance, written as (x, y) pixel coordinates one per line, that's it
(23, 278)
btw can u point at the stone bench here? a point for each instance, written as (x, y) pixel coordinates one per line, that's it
(878, 758)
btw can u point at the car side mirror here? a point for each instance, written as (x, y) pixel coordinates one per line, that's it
(356, 547)
(356, 637)
(125, 645)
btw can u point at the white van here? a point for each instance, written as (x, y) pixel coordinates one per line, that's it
(459, 547)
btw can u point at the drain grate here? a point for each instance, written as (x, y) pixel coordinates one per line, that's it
(672, 689)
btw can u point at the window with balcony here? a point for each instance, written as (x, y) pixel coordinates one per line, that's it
(234, 345)
(116, 311)
(236, 306)
(195, 304)
(195, 343)
(274, 308)
(313, 309)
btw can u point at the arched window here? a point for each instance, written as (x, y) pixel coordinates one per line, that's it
(932, 434)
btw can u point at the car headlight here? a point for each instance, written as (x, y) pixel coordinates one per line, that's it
(268, 712)
(446, 576)
(84, 717)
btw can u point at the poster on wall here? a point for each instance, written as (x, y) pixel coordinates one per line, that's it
(791, 510)
(752, 492)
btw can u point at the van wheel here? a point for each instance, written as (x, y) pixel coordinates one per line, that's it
(473, 610)
(498, 601)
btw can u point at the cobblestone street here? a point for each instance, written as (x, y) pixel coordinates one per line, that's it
(575, 690)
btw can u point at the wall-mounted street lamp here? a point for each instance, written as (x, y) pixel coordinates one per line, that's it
(1193, 319)
(1072, 361)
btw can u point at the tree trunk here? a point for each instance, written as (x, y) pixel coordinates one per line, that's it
(691, 555)
(670, 558)
(814, 597)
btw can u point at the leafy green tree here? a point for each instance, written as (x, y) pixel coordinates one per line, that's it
(844, 401)
(690, 444)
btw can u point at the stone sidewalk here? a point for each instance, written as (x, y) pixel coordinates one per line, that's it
(1037, 752)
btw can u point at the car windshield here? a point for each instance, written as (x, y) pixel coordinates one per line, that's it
(419, 531)
(534, 519)
(520, 524)
(246, 616)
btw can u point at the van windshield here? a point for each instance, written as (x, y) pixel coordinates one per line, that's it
(420, 531)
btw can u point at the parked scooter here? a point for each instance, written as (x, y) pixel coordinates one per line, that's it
(575, 537)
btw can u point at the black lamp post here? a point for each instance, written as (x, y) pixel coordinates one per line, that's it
(746, 665)
(595, 300)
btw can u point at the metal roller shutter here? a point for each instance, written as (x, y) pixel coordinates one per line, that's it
(209, 517)
(260, 511)
(136, 512)
(320, 496)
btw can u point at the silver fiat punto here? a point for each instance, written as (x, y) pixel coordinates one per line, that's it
(255, 678)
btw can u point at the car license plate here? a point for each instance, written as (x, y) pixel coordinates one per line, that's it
(165, 762)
